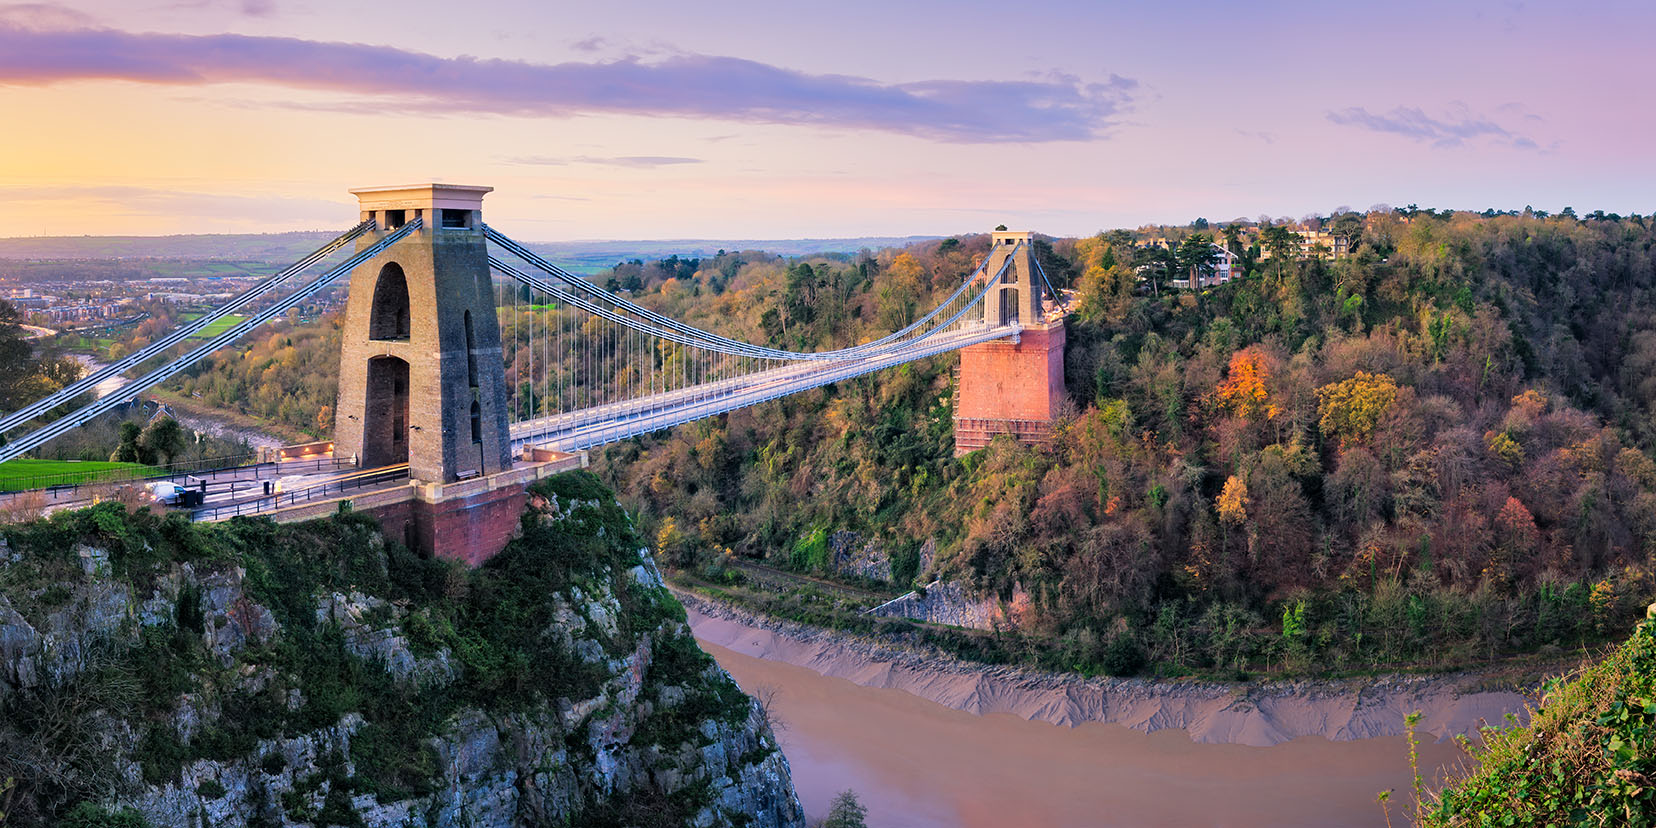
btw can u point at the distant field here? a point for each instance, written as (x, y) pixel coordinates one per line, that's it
(30, 474)
(216, 328)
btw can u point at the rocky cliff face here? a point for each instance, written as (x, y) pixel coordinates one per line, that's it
(250, 674)
(947, 602)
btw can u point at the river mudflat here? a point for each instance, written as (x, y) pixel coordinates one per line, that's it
(931, 741)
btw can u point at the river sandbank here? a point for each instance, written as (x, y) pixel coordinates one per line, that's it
(1256, 714)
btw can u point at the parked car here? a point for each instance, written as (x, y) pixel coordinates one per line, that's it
(168, 493)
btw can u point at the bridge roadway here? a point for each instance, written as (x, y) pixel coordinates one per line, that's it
(588, 427)
(293, 490)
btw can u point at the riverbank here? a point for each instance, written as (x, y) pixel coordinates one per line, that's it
(1256, 714)
(229, 425)
(225, 425)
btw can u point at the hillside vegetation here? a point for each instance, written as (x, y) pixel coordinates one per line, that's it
(1434, 451)
(1586, 757)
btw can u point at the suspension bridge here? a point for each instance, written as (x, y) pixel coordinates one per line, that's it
(471, 365)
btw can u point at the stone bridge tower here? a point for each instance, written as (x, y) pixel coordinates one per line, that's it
(421, 379)
(421, 374)
(1012, 386)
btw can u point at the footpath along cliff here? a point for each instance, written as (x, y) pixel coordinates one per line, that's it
(157, 672)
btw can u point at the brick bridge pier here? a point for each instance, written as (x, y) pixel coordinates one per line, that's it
(1012, 386)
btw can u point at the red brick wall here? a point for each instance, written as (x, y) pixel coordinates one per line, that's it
(397, 520)
(471, 529)
(1002, 381)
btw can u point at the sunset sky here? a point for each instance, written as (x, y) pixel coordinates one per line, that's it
(651, 119)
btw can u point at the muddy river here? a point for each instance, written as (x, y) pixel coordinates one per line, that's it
(916, 763)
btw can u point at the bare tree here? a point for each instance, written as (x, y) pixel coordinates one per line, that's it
(766, 695)
(51, 737)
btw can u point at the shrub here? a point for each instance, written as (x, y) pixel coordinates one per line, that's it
(88, 815)
(1123, 656)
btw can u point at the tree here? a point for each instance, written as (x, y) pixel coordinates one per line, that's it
(1155, 261)
(16, 358)
(1232, 234)
(1197, 258)
(1282, 244)
(1348, 226)
(26, 375)
(897, 300)
(1233, 501)
(162, 440)
(128, 450)
(1350, 409)
(1243, 392)
(846, 812)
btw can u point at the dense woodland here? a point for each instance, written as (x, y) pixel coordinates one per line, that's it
(1436, 450)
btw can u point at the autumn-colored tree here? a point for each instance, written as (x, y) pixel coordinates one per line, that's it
(1515, 539)
(1503, 446)
(1106, 285)
(1243, 391)
(1233, 501)
(1350, 409)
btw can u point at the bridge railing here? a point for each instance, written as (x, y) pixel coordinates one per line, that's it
(320, 491)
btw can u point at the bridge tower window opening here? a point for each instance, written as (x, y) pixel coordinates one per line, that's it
(471, 354)
(389, 319)
(395, 219)
(476, 422)
(399, 414)
(455, 219)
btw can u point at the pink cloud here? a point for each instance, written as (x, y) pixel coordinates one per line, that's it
(1056, 108)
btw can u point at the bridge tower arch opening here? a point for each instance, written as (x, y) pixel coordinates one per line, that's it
(385, 413)
(390, 316)
(1012, 386)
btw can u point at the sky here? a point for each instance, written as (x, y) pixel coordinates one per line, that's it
(658, 119)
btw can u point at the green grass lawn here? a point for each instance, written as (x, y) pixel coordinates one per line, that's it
(29, 473)
(218, 327)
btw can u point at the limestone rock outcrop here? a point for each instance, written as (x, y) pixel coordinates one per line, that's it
(256, 675)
